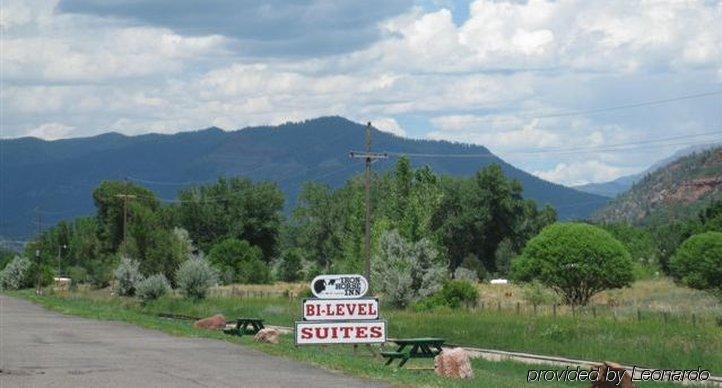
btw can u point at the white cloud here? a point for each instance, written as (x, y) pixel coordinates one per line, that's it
(479, 81)
(388, 124)
(51, 131)
(582, 172)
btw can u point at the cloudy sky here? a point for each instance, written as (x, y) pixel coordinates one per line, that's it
(573, 91)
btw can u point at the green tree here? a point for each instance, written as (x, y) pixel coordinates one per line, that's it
(476, 215)
(239, 261)
(576, 260)
(698, 262)
(289, 269)
(233, 208)
(110, 208)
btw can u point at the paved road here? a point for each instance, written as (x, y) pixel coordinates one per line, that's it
(39, 348)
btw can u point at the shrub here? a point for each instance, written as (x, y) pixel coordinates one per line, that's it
(100, 274)
(16, 274)
(239, 261)
(698, 262)
(454, 294)
(254, 272)
(405, 271)
(466, 274)
(152, 288)
(77, 275)
(289, 270)
(576, 260)
(128, 276)
(195, 276)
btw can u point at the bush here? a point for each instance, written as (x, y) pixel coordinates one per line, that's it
(195, 277)
(77, 275)
(289, 270)
(100, 274)
(239, 261)
(576, 260)
(405, 271)
(16, 274)
(128, 276)
(152, 288)
(454, 294)
(698, 262)
(254, 272)
(466, 274)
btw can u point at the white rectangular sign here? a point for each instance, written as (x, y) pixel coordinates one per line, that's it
(357, 332)
(340, 309)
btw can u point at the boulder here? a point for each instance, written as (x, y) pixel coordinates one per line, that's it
(603, 382)
(215, 322)
(267, 335)
(453, 363)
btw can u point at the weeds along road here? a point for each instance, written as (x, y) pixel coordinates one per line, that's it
(42, 348)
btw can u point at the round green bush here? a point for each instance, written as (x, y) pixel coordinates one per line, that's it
(698, 262)
(576, 260)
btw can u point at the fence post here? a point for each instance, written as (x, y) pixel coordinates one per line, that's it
(554, 310)
(594, 311)
(498, 306)
(518, 307)
(534, 308)
(694, 320)
(664, 314)
(639, 315)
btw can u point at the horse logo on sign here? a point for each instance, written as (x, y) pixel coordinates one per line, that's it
(339, 286)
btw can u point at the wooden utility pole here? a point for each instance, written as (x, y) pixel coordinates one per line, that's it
(369, 157)
(38, 290)
(125, 197)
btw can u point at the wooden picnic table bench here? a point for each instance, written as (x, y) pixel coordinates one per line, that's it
(245, 326)
(420, 348)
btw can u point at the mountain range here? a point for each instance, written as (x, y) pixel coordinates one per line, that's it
(58, 177)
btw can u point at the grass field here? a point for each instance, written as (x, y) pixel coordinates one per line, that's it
(100, 305)
(656, 340)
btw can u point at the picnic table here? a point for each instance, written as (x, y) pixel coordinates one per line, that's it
(420, 348)
(245, 326)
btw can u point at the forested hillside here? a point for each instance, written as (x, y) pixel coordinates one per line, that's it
(58, 176)
(675, 191)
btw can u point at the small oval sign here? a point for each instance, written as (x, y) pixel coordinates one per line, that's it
(339, 286)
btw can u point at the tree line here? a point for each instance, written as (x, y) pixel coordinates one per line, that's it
(472, 228)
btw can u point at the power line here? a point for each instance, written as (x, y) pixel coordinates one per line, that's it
(592, 111)
(606, 148)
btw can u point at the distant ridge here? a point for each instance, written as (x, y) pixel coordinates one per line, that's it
(60, 175)
(677, 190)
(613, 188)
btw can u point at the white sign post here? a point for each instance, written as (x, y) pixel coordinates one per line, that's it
(340, 314)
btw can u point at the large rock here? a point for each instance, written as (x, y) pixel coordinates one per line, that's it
(267, 335)
(453, 363)
(613, 371)
(215, 322)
